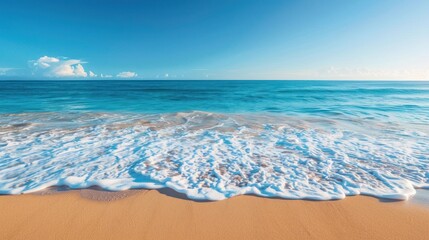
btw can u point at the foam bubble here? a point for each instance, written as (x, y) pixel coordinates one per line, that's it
(213, 156)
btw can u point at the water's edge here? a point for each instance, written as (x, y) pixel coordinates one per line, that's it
(213, 156)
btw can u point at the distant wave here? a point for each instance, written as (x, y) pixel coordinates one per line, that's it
(213, 156)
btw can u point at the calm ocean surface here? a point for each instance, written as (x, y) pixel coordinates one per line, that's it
(321, 98)
(217, 139)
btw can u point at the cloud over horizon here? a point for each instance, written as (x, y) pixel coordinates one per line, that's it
(63, 67)
(58, 67)
(127, 75)
(69, 68)
(92, 74)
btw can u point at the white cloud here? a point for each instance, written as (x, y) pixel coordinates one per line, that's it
(46, 62)
(58, 67)
(105, 76)
(127, 75)
(92, 74)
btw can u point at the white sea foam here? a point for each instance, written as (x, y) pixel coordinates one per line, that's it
(213, 156)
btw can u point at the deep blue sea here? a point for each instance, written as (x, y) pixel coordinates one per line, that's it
(217, 139)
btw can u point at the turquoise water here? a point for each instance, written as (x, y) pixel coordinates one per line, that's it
(322, 98)
(217, 139)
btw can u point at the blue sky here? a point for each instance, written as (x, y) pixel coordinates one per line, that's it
(234, 39)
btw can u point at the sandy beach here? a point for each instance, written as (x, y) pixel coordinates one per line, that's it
(163, 214)
(214, 120)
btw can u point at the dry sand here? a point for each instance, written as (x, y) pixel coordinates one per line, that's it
(144, 214)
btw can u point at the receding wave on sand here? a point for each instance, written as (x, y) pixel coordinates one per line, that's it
(213, 156)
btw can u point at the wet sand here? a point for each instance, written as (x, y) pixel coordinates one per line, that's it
(164, 214)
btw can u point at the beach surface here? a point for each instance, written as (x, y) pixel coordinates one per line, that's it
(164, 214)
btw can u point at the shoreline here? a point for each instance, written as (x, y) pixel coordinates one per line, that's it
(421, 197)
(165, 214)
(97, 193)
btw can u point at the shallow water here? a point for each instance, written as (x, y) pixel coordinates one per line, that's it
(214, 140)
(421, 198)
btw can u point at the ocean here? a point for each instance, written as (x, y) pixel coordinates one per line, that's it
(213, 140)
